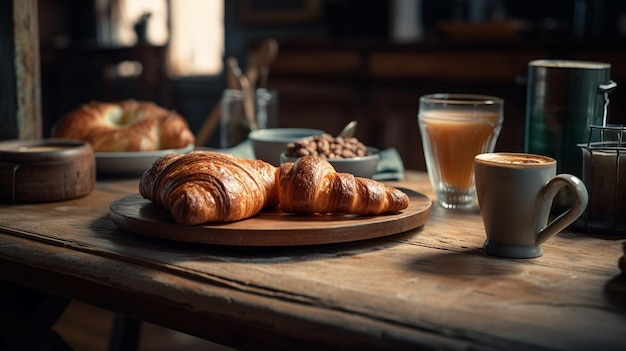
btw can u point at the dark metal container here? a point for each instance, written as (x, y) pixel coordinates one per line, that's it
(563, 99)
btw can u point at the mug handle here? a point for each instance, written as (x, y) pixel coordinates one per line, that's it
(568, 217)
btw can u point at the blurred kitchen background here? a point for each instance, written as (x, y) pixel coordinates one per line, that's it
(339, 60)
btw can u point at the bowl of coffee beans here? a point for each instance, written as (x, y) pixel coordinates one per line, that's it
(347, 155)
(268, 144)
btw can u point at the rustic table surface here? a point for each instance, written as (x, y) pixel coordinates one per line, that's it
(431, 287)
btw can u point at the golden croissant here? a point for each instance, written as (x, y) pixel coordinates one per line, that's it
(311, 185)
(201, 187)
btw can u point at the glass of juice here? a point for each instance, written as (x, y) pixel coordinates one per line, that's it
(454, 129)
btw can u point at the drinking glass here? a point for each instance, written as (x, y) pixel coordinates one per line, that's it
(234, 125)
(454, 129)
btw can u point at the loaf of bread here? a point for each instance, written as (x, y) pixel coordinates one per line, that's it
(128, 125)
(203, 186)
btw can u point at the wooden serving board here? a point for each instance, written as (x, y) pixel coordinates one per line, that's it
(270, 227)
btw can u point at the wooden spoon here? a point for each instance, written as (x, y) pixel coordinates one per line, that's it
(253, 70)
(259, 62)
(237, 80)
(233, 73)
(268, 51)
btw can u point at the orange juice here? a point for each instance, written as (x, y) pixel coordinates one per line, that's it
(453, 139)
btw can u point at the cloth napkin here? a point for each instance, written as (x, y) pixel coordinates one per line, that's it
(390, 165)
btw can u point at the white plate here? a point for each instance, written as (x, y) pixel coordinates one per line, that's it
(131, 163)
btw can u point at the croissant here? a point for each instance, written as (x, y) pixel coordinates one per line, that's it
(201, 186)
(127, 125)
(311, 185)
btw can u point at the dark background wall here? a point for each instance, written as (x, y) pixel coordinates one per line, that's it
(344, 65)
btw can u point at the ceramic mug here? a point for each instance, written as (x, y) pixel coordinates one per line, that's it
(515, 193)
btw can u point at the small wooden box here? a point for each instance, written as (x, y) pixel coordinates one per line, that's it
(45, 170)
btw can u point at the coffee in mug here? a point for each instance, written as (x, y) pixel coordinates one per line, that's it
(515, 193)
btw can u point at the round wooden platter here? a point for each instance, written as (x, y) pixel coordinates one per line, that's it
(270, 227)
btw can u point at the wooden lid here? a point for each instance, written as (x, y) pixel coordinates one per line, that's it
(45, 170)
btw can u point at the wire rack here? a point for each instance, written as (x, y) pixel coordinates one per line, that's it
(604, 175)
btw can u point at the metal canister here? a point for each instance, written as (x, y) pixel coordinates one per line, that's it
(564, 98)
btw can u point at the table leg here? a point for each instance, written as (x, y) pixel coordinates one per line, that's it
(125, 333)
(27, 318)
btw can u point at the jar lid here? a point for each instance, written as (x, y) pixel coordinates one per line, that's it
(34, 151)
(45, 170)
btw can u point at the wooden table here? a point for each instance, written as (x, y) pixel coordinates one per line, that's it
(432, 287)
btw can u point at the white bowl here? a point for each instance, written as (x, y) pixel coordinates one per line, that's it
(131, 163)
(268, 144)
(364, 166)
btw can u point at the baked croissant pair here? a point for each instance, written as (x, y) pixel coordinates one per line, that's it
(202, 186)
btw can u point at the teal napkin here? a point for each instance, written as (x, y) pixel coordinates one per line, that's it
(390, 165)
